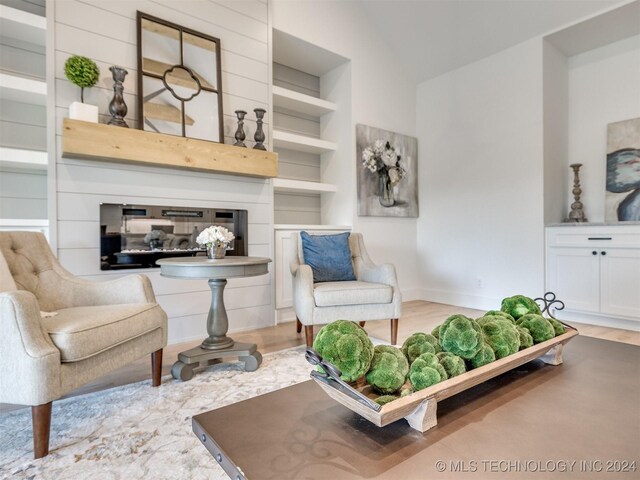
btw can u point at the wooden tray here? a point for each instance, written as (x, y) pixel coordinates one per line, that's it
(419, 408)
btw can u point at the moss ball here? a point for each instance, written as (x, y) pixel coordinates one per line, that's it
(452, 364)
(346, 345)
(526, 340)
(436, 332)
(426, 371)
(384, 399)
(389, 369)
(519, 305)
(485, 355)
(500, 334)
(557, 326)
(419, 343)
(408, 390)
(500, 313)
(461, 336)
(539, 327)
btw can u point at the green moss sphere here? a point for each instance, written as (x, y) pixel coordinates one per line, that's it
(419, 343)
(436, 332)
(461, 336)
(557, 326)
(519, 305)
(346, 345)
(389, 369)
(485, 355)
(452, 364)
(539, 327)
(500, 334)
(426, 371)
(502, 314)
(384, 399)
(526, 340)
(408, 390)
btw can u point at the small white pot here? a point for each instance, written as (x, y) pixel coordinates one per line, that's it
(84, 112)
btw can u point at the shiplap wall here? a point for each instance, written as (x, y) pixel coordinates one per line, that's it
(23, 192)
(290, 208)
(106, 32)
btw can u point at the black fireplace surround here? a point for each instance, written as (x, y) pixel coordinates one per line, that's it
(135, 236)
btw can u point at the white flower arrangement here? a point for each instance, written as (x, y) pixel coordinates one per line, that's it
(381, 158)
(215, 235)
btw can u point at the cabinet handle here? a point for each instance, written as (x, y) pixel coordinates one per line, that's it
(594, 253)
(603, 253)
(599, 238)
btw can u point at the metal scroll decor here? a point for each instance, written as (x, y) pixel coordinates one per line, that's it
(179, 80)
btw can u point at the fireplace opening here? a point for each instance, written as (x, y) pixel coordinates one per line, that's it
(136, 236)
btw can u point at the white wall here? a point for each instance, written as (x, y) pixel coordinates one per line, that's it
(106, 32)
(604, 87)
(381, 96)
(480, 232)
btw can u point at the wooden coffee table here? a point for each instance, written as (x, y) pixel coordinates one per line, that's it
(530, 422)
(217, 345)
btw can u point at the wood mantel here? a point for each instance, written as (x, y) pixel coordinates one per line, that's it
(95, 141)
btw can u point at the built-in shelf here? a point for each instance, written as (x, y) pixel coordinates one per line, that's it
(94, 141)
(285, 226)
(286, 185)
(23, 89)
(23, 26)
(18, 158)
(301, 143)
(299, 102)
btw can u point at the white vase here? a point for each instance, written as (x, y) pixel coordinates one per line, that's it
(84, 112)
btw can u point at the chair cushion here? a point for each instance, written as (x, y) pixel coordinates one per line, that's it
(329, 256)
(331, 294)
(81, 332)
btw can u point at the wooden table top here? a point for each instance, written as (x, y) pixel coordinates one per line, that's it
(536, 421)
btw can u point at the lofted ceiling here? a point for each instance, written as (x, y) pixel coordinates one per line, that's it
(432, 37)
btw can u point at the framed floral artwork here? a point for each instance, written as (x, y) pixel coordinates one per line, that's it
(387, 166)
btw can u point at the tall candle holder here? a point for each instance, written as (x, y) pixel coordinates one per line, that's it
(259, 136)
(240, 135)
(577, 209)
(117, 107)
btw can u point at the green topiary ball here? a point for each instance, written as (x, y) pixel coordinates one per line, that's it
(519, 305)
(557, 326)
(461, 335)
(501, 314)
(419, 343)
(426, 371)
(346, 345)
(81, 71)
(384, 399)
(485, 355)
(526, 340)
(500, 334)
(436, 332)
(452, 364)
(539, 327)
(388, 370)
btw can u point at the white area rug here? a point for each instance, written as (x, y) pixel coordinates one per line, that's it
(137, 431)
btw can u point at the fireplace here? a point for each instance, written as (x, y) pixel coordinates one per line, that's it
(135, 236)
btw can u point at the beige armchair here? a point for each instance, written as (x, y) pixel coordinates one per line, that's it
(374, 295)
(96, 327)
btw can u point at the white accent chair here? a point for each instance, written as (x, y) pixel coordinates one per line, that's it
(97, 327)
(374, 295)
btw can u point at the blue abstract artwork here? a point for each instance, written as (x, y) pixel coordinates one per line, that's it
(623, 171)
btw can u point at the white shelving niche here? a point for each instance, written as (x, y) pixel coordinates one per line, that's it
(23, 117)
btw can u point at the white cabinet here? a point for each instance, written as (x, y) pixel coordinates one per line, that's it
(596, 270)
(284, 286)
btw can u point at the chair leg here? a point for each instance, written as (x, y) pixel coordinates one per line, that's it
(41, 423)
(362, 324)
(298, 325)
(156, 368)
(394, 331)
(308, 333)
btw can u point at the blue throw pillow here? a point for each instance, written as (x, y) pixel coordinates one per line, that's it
(329, 256)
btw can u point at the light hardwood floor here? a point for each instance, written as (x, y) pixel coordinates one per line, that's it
(417, 316)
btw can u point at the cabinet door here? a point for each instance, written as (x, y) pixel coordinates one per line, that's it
(620, 282)
(573, 274)
(284, 280)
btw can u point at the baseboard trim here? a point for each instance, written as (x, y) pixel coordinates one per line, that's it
(600, 320)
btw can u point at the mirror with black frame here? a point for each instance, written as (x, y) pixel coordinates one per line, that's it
(179, 80)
